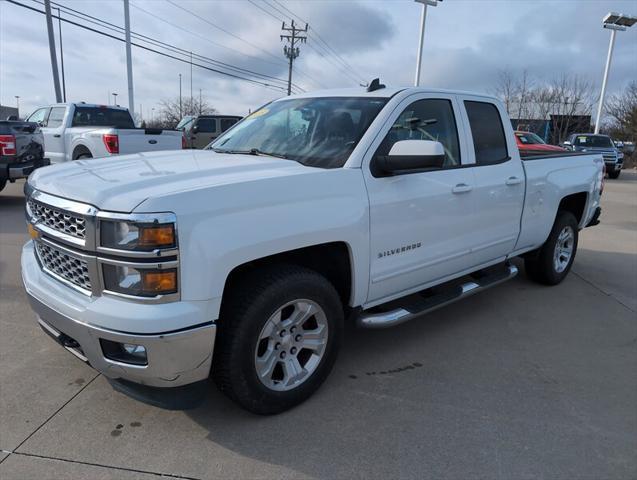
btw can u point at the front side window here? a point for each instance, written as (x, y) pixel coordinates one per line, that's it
(38, 116)
(102, 117)
(487, 131)
(55, 117)
(318, 132)
(430, 119)
(185, 123)
(206, 125)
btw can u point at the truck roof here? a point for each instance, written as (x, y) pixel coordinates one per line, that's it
(383, 92)
(83, 104)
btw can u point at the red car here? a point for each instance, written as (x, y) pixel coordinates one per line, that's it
(530, 144)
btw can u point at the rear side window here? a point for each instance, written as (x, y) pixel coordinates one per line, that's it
(102, 117)
(489, 140)
(55, 117)
(226, 123)
(206, 125)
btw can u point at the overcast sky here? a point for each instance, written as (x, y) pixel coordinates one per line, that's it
(467, 42)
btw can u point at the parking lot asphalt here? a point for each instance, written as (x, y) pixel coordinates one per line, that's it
(519, 382)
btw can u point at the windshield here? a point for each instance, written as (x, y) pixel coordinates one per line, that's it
(102, 117)
(184, 122)
(318, 132)
(593, 141)
(528, 138)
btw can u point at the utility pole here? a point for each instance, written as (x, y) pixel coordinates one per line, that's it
(291, 51)
(115, 98)
(129, 61)
(54, 61)
(191, 107)
(61, 54)
(181, 114)
(200, 101)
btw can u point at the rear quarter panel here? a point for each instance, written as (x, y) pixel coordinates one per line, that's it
(549, 180)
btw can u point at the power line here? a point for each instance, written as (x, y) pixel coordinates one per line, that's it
(264, 84)
(158, 43)
(313, 32)
(323, 52)
(221, 28)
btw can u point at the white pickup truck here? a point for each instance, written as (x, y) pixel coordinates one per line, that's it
(245, 260)
(75, 131)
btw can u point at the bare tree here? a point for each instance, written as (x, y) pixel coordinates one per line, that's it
(171, 111)
(523, 88)
(573, 97)
(622, 109)
(505, 89)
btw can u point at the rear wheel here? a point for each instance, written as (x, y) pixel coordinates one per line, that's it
(552, 262)
(3, 183)
(83, 156)
(279, 334)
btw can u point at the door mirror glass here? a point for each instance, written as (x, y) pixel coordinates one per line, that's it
(407, 156)
(195, 129)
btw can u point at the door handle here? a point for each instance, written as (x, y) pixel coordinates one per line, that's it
(462, 188)
(513, 181)
(57, 135)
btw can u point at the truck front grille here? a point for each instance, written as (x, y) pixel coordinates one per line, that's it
(58, 220)
(64, 266)
(609, 157)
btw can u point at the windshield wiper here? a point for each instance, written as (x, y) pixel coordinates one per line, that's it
(252, 151)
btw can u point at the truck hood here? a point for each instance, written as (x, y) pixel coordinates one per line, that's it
(121, 183)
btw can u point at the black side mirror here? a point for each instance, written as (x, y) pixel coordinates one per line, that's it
(195, 129)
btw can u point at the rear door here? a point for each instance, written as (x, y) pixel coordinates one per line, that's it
(421, 223)
(204, 131)
(53, 134)
(499, 180)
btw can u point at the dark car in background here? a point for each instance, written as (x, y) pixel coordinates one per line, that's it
(21, 150)
(597, 143)
(200, 130)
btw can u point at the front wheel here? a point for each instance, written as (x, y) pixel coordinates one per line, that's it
(3, 183)
(552, 262)
(614, 174)
(279, 333)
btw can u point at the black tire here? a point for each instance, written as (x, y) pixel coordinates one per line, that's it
(83, 156)
(540, 265)
(254, 298)
(3, 183)
(614, 174)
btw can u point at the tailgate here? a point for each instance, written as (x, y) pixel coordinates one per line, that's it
(148, 140)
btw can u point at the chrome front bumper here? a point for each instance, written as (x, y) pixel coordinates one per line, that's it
(175, 358)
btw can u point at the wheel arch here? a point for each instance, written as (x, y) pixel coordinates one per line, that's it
(333, 260)
(80, 149)
(574, 203)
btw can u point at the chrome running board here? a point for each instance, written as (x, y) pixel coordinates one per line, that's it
(424, 302)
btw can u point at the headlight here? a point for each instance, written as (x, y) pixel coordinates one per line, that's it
(123, 235)
(140, 282)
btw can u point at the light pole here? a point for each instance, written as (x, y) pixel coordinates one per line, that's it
(613, 22)
(423, 18)
(180, 109)
(17, 104)
(114, 98)
(152, 115)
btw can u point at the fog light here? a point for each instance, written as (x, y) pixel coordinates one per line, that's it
(124, 352)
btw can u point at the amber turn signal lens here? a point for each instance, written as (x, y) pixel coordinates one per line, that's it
(33, 233)
(160, 236)
(159, 282)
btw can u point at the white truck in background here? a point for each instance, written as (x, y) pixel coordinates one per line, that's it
(74, 131)
(244, 261)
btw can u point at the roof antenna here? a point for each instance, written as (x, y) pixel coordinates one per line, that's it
(375, 85)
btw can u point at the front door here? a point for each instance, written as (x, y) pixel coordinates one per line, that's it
(53, 134)
(421, 223)
(204, 131)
